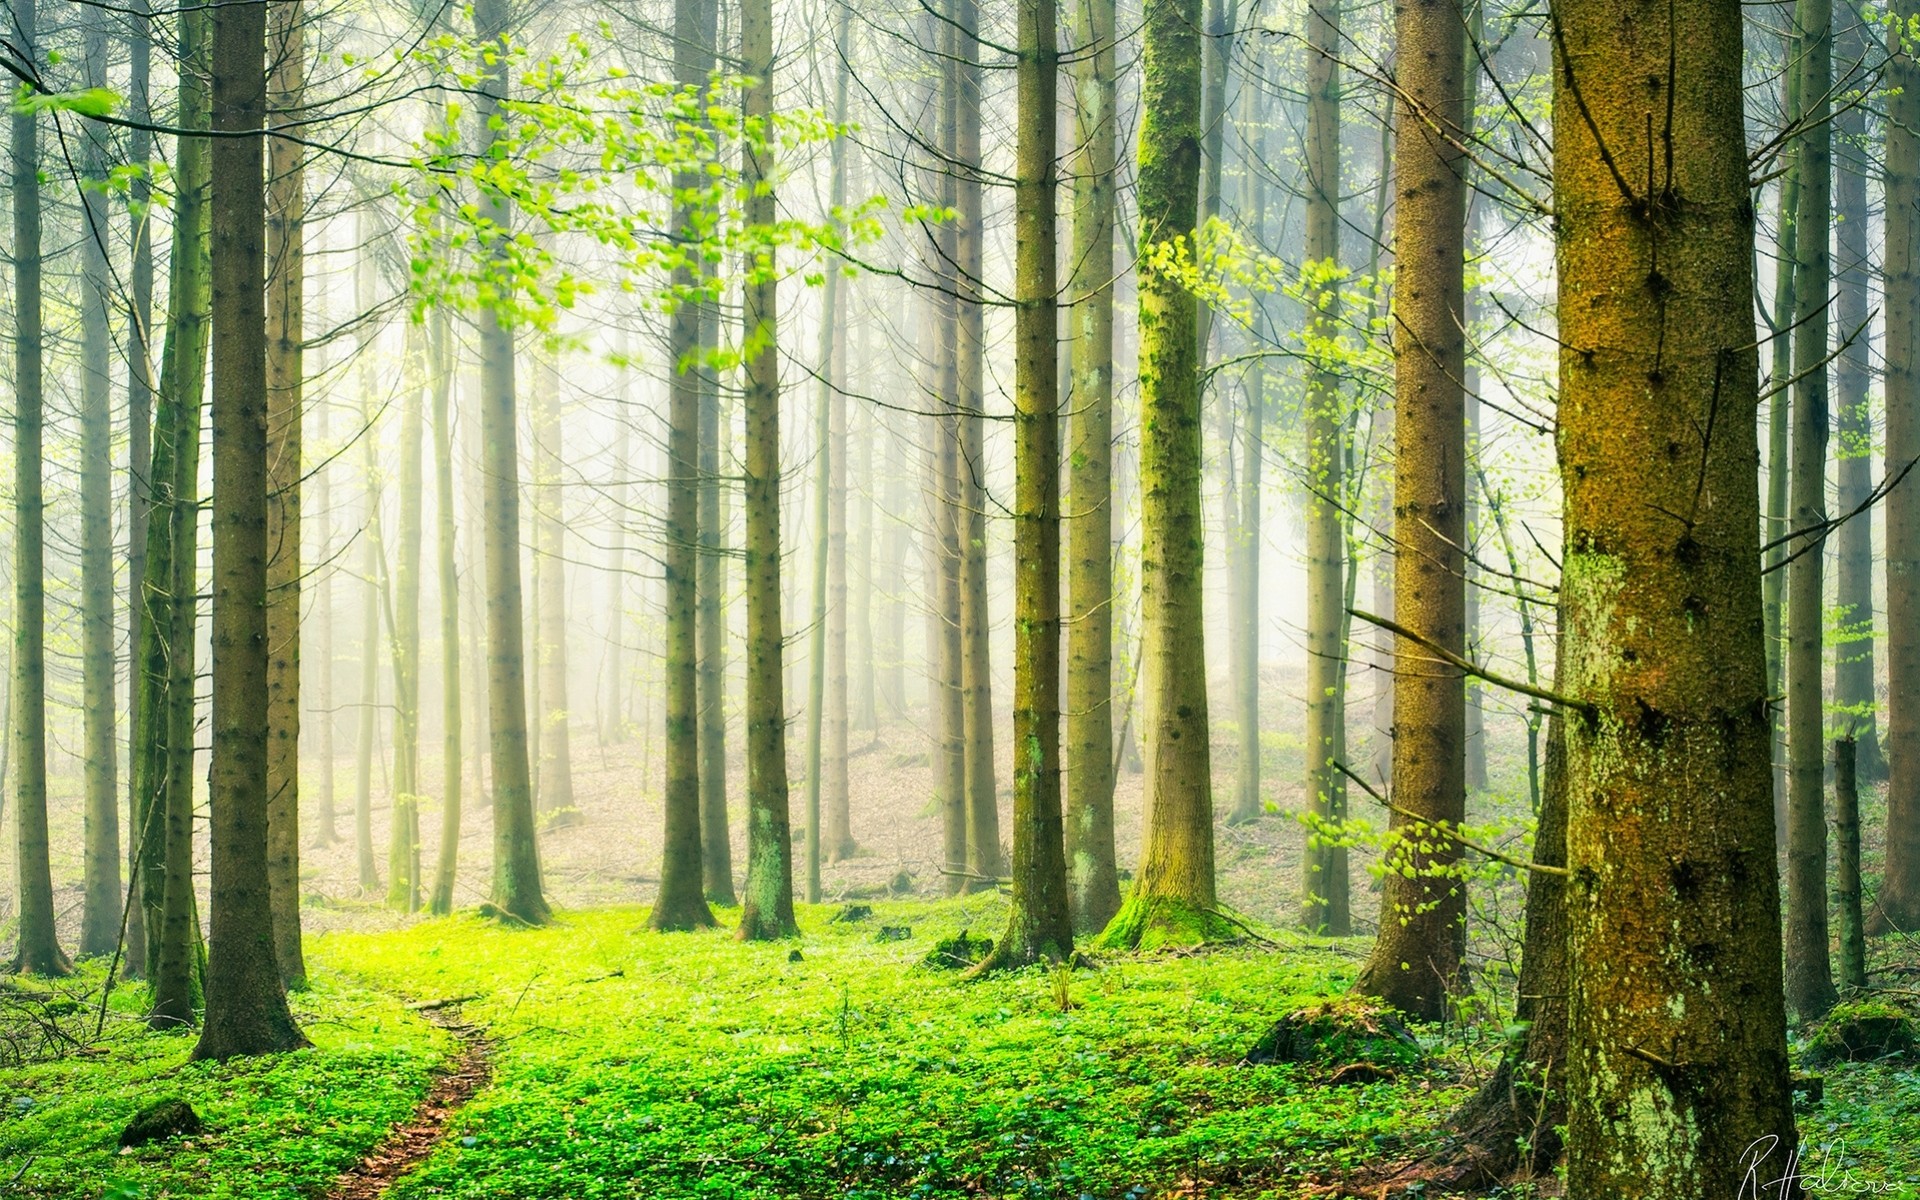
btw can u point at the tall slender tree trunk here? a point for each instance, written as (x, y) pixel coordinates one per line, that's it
(555, 793)
(863, 697)
(1040, 924)
(1853, 690)
(516, 859)
(1324, 886)
(1809, 967)
(1677, 1070)
(1092, 871)
(246, 1000)
(1846, 873)
(984, 860)
(1898, 907)
(768, 908)
(139, 453)
(1779, 409)
(1474, 729)
(286, 322)
(372, 568)
(716, 846)
(440, 355)
(1416, 958)
(836, 709)
(403, 836)
(1173, 899)
(682, 904)
(325, 832)
(163, 768)
(100, 918)
(1380, 490)
(38, 951)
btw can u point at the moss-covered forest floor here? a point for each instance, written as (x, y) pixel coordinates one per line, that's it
(631, 1064)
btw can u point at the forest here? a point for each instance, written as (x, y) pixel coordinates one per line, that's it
(883, 599)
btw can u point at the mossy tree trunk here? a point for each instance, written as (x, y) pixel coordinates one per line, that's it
(1173, 900)
(1324, 900)
(38, 950)
(1040, 925)
(681, 903)
(1416, 958)
(1898, 906)
(516, 858)
(100, 916)
(1677, 1060)
(1092, 871)
(246, 1000)
(768, 908)
(1809, 965)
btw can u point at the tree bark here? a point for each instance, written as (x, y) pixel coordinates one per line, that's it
(1846, 877)
(1173, 900)
(286, 320)
(554, 715)
(768, 908)
(1677, 1061)
(38, 951)
(440, 352)
(516, 858)
(1093, 874)
(1809, 967)
(403, 836)
(372, 568)
(716, 849)
(246, 1000)
(1415, 963)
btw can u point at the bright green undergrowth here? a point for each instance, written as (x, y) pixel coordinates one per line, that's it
(280, 1127)
(635, 1064)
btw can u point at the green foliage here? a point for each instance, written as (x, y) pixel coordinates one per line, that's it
(86, 102)
(711, 1068)
(275, 1127)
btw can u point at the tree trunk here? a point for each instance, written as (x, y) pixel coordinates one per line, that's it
(100, 919)
(246, 1000)
(1474, 726)
(1853, 690)
(681, 903)
(1677, 1063)
(440, 352)
(1779, 427)
(984, 859)
(516, 858)
(163, 768)
(286, 322)
(1809, 968)
(1898, 907)
(325, 832)
(1172, 902)
(768, 910)
(139, 456)
(1093, 874)
(1040, 924)
(1416, 959)
(1324, 885)
(403, 837)
(39, 950)
(371, 569)
(1846, 878)
(555, 793)
(716, 849)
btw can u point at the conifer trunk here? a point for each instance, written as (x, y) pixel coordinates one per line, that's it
(1416, 959)
(1677, 1061)
(139, 455)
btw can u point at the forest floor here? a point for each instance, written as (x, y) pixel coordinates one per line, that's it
(608, 1061)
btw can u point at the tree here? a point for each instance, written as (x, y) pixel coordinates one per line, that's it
(1324, 886)
(1416, 958)
(440, 356)
(164, 719)
(554, 763)
(286, 285)
(372, 568)
(1898, 906)
(1092, 873)
(1040, 925)
(1677, 1062)
(516, 862)
(246, 1001)
(39, 950)
(403, 616)
(1809, 969)
(682, 904)
(768, 908)
(1172, 901)
(100, 919)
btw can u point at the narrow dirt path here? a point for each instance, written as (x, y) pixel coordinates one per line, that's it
(407, 1146)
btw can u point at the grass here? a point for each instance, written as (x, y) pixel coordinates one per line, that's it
(635, 1064)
